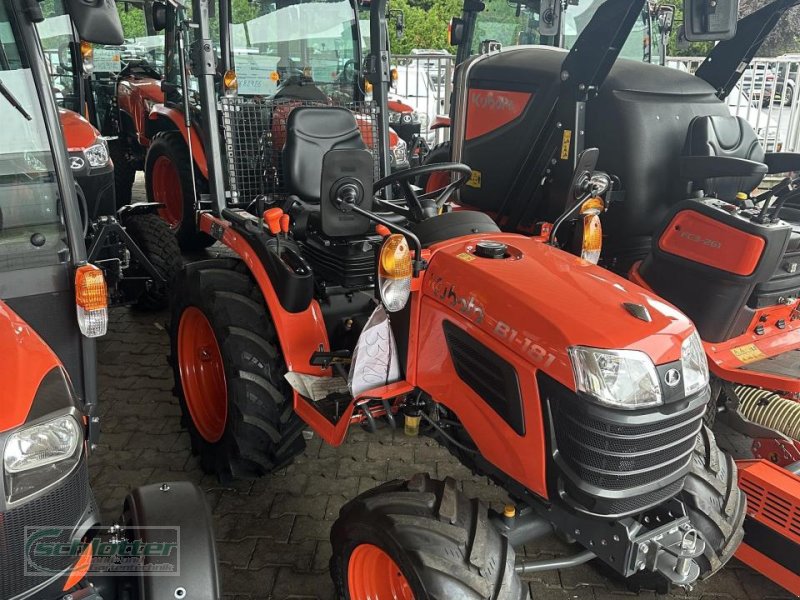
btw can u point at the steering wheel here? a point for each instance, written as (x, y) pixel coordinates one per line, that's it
(425, 206)
(348, 73)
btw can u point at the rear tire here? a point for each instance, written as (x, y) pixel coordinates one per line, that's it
(124, 173)
(439, 540)
(169, 151)
(155, 240)
(716, 507)
(261, 432)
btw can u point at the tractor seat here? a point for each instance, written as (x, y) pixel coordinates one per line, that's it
(451, 225)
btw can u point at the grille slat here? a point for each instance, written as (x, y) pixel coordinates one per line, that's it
(63, 506)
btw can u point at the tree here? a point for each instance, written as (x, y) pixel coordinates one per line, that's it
(785, 37)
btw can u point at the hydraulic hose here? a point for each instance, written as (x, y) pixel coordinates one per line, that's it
(769, 409)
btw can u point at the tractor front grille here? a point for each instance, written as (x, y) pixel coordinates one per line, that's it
(255, 134)
(62, 507)
(612, 461)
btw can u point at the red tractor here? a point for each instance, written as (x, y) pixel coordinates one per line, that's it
(53, 304)
(683, 220)
(579, 392)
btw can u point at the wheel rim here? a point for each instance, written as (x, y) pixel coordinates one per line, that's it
(202, 374)
(167, 191)
(373, 575)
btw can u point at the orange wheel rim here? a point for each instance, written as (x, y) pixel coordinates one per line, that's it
(437, 181)
(202, 374)
(373, 575)
(167, 191)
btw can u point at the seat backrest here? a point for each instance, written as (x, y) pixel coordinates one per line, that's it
(310, 133)
(727, 137)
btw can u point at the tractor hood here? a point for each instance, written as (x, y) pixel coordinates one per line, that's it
(26, 361)
(79, 134)
(540, 300)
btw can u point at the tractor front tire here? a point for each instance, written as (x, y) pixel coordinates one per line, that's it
(716, 507)
(155, 240)
(229, 373)
(124, 172)
(168, 181)
(421, 539)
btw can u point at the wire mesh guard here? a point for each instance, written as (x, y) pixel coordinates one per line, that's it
(255, 134)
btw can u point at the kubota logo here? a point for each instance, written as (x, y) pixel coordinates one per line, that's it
(491, 101)
(446, 292)
(699, 239)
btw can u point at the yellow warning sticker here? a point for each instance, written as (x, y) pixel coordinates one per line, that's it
(749, 353)
(566, 140)
(465, 256)
(475, 180)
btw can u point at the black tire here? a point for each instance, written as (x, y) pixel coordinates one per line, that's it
(716, 507)
(442, 541)
(170, 144)
(124, 172)
(788, 97)
(262, 432)
(155, 240)
(439, 154)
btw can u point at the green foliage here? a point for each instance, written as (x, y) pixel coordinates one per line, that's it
(133, 23)
(426, 24)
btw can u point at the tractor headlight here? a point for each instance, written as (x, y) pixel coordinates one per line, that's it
(693, 364)
(97, 155)
(394, 272)
(400, 151)
(395, 117)
(620, 378)
(38, 455)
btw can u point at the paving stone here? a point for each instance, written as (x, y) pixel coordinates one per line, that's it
(236, 554)
(250, 583)
(296, 555)
(288, 585)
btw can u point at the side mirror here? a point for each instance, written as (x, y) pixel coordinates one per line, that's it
(455, 31)
(710, 20)
(399, 19)
(159, 14)
(97, 21)
(665, 16)
(550, 18)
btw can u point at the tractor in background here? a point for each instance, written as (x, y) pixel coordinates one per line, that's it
(53, 305)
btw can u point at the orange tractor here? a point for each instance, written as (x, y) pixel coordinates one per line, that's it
(682, 219)
(579, 392)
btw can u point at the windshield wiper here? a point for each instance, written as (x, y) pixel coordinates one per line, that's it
(13, 101)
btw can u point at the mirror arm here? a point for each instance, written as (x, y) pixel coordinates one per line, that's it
(419, 263)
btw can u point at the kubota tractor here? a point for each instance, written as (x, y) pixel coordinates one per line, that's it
(684, 220)
(135, 249)
(53, 303)
(342, 306)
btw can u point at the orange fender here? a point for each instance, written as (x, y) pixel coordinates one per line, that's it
(159, 111)
(440, 122)
(79, 133)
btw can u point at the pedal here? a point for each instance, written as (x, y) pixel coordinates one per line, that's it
(326, 359)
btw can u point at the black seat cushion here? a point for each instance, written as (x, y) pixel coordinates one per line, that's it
(724, 136)
(452, 225)
(310, 133)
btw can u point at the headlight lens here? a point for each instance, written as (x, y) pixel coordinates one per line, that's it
(41, 445)
(694, 364)
(620, 378)
(97, 155)
(394, 116)
(400, 151)
(39, 455)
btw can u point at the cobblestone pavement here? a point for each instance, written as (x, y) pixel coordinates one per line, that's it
(272, 534)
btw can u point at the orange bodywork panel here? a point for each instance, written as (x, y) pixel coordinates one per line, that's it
(80, 569)
(159, 111)
(706, 241)
(772, 529)
(488, 110)
(133, 96)
(300, 334)
(79, 133)
(26, 359)
(440, 122)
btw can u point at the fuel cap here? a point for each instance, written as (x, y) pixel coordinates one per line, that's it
(490, 249)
